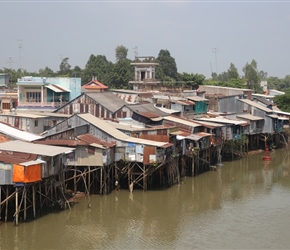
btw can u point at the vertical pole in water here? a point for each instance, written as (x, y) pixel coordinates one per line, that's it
(101, 180)
(89, 181)
(16, 205)
(25, 202)
(40, 196)
(33, 201)
(75, 185)
(0, 201)
(6, 204)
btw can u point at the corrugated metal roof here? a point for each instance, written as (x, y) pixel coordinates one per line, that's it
(108, 100)
(184, 102)
(31, 148)
(273, 116)
(70, 143)
(196, 98)
(147, 110)
(221, 119)
(182, 121)
(209, 124)
(90, 139)
(24, 114)
(30, 163)
(256, 105)
(16, 157)
(18, 134)
(168, 111)
(250, 117)
(56, 88)
(109, 129)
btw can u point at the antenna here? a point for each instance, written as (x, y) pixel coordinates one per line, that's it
(10, 61)
(215, 50)
(135, 51)
(20, 54)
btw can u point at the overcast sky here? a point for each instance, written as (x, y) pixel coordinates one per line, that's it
(202, 36)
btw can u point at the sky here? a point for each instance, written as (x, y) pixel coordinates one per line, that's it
(202, 36)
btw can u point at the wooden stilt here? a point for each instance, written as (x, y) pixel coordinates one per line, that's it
(75, 184)
(6, 205)
(101, 181)
(25, 202)
(89, 180)
(0, 202)
(33, 201)
(16, 207)
(40, 196)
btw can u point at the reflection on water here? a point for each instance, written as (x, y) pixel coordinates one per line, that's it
(245, 204)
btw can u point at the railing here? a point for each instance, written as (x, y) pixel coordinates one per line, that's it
(41, 104)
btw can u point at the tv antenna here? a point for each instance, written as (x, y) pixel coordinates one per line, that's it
(10, 61)
(135, 49)
(215, 50)
(20, 54)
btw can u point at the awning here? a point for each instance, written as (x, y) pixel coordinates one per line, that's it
(30, 163)
(57, 88)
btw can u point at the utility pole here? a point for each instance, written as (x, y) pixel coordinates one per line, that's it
(215, 50)
(20, 54)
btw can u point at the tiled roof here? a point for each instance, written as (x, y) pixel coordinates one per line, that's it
(94, 84)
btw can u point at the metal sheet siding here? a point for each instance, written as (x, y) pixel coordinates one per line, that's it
(5, 177)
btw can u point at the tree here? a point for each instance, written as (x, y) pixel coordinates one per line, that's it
(232, 72)
(121, 74)
(46, 72)
(251, 74)
(283, 101)
(99, 67)
(167, 66)
(121, 53)
(193, 80)
(64, 67)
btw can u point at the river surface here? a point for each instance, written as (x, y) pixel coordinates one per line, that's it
(243, 205)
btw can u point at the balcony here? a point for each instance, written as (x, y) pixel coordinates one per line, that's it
(40, 105)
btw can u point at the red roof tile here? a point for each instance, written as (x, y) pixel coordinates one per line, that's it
(94, 84)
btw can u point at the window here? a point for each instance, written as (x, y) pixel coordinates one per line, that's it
(35, 123)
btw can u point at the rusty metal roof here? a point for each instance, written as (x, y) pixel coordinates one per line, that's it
(70, 143)
(16, 157)
(90, 139)
(147, 110)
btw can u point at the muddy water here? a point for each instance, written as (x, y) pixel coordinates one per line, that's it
(243, 205)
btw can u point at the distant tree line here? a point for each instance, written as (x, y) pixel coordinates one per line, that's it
(119, 73)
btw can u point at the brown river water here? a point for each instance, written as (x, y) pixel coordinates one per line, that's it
(245, 204)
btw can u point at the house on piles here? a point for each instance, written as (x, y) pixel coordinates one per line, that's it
(32, 122)
(147, 114)
(26, 167)
(91, 158)
(136, 160)
(194, 142)
(13, 133)
(104, 105)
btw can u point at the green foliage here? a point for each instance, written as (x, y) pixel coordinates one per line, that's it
(232, 72)
(283, 101)
(99, 67)
(121, 53)
(192, 80)
(167, 66)
(64, 67)
(252, 76)
(121, 74)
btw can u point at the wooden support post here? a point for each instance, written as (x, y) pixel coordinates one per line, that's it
(33, 201)
(16, 207)
(0, 201)
(6, 204)
(40, 196)
(75, 185)
(101, 181)
(89, 181)
(25, 201)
